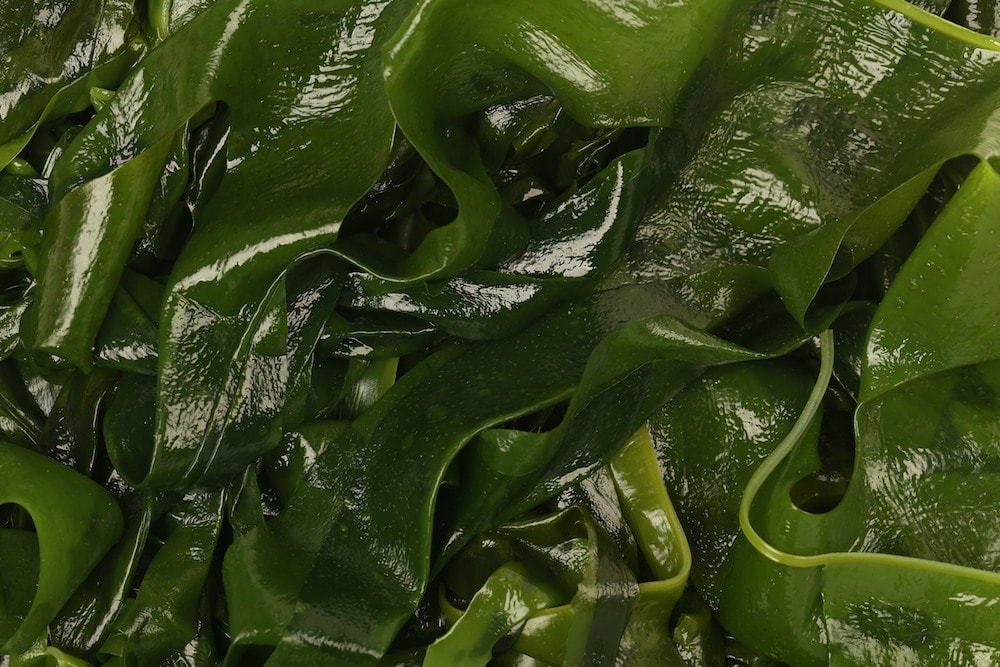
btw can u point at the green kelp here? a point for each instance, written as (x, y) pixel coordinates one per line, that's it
(429, 332)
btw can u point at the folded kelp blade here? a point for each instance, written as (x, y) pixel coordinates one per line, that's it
(631, 371)
(927, 450)
(510, 51)
(570, 247)
(77, 521)
(86, 619)
(753, 252)
(326, 603)
(262, 361)
(961, 59)
(81, 263)
(594, 626)
(281, 149)
(707, 462)
(420, 423)
(920, 583)
(827, 119)
(51, 63)
(399, 432)
(166, 621)
(505, 600)
(576, 618)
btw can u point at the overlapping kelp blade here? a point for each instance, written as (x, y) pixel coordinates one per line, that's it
(802, 135)
(165, 620)
(77, 521)
(918, 508)
(278, 149)
(525, 48)
(927, 443)
(52, 54)
(799, 165)
(788, 155)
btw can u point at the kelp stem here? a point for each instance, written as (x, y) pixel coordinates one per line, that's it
(774, 459)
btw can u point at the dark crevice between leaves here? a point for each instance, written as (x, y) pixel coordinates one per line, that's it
(822, 490)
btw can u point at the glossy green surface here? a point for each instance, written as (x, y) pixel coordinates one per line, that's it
(76, 522)
(434, 332)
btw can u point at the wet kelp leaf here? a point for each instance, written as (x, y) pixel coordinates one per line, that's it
(129, 336)
(212, 280)
(549, 222)
(707, 464)
(77, 522)
(517, 50)
(164, 619)
(579, 616)
(87, 618)
(918, 507)
(570, 579)
(929, 495)
(628, 373)
(292, 213)
(569, 248)
(51, 54)
(82, 262)
(420, 424)
(800, 149)
(267, 366)
(506, 599)
(912, 333)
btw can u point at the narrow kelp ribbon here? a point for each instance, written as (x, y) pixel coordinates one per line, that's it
(165, 619)
(574, 244)
(82, 262)
(373, 598)
(507, 598)
(953, 30)
(857, 584)
(388, 431)
(922, 482)
(213, 276)
(780, 453)
(291, 214)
